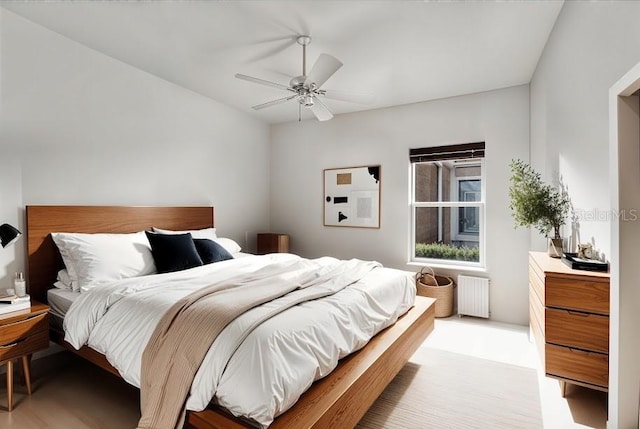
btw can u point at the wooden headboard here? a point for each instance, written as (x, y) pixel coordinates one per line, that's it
(44, 260)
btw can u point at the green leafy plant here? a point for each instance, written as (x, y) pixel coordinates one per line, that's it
(447, 251)
(534, 203)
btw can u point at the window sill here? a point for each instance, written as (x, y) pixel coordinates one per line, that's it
(450, 267)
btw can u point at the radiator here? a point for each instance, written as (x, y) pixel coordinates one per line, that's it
(473, 296)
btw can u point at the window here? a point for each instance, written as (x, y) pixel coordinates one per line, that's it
(447, 204)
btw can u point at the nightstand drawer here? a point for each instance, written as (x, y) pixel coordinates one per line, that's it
(577, 330)
(573, 294)
(25, 346)
(14, 331)
(578, 365)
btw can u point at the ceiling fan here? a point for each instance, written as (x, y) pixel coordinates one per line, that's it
(305, 88)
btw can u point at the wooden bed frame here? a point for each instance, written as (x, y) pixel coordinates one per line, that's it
(337, 401)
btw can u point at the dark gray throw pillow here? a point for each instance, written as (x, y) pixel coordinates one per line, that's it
(173, 252)
(210, 251)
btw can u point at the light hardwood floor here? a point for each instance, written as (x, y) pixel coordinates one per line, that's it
(72, 394)
(581, 408)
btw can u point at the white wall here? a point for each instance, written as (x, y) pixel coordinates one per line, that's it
(82, 128)
(593, 44)
(300, 152)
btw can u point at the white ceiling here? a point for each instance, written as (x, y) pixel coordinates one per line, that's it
(400, 51)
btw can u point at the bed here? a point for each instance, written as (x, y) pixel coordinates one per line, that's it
(337, 400)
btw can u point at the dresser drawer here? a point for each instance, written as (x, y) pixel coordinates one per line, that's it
(573, 364)
(575, 294)
(14, 331)
(25, 346)
(577, 330)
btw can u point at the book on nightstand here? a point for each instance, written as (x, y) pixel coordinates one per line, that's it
(15, 303)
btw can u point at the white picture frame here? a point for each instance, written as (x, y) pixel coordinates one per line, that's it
(352, 196)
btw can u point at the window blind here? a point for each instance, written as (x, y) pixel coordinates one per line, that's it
(442, 153)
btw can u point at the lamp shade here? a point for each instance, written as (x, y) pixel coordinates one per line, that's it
(8, 234)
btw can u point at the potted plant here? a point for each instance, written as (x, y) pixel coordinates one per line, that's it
(534, 203)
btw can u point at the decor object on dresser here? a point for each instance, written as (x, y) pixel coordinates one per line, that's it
(569, 319)
(438, 287)
(585, 251)
(22, 333)
(352, 197)
(8, 234)
(272, 243)
(580, 263)
(534, 203)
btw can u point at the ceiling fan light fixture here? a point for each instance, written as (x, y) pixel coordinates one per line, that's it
(306, 88)
(307, 101)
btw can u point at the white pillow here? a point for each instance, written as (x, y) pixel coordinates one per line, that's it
(64, 281)
(209, 233)
(92, 259)
(58, 284)
(228, 244)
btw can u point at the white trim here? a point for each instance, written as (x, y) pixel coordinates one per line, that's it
(624, 342)
(442, 266)
(447, 263)
(456, 217)
(449, 204)
(440, 193)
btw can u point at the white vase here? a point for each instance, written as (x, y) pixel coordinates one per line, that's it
(555, 247)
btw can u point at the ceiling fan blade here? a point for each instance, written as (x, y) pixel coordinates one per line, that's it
(320, 110)
(281, 46)
(323, 69)
(352, 97)
(274, 102)
(263, 82)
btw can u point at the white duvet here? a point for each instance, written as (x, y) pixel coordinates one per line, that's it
(277, 361)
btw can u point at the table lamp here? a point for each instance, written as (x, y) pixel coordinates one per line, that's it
(8, 234)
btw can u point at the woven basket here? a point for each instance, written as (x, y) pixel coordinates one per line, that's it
(438, 287)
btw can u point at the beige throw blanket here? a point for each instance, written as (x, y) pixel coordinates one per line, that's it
(185, 333)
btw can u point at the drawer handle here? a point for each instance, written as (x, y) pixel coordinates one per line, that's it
(578, 313)
(577, 350)
(584, 352)
(8, 346)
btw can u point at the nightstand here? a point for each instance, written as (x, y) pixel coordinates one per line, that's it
(22, 333)
(272, 243)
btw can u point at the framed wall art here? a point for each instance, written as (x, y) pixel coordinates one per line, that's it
(352, 197)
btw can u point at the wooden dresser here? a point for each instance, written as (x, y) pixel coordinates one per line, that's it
(569, 319)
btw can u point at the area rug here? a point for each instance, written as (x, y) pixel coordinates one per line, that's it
(440, 389)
